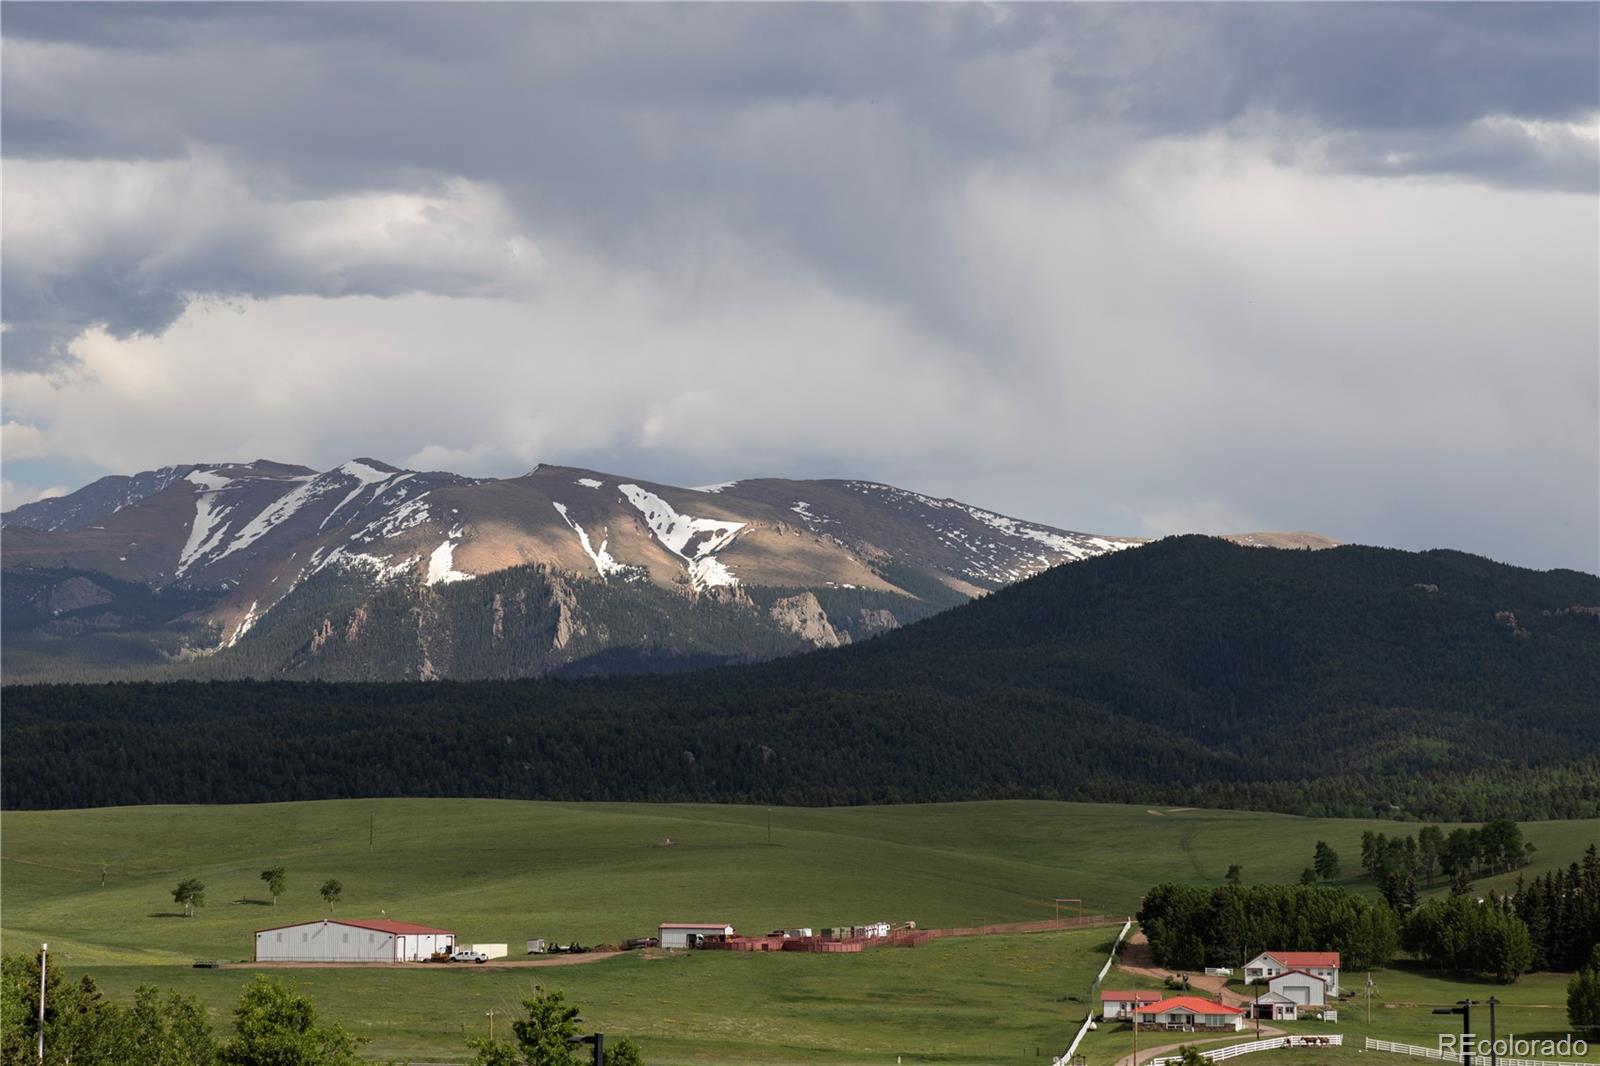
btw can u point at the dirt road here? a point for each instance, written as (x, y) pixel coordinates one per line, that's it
(492, 964)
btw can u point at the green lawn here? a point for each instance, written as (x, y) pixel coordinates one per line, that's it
(506, 871)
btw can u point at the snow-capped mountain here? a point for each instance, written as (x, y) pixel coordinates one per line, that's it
(727, 571)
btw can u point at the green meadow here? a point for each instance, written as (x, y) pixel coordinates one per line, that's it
(504, 871)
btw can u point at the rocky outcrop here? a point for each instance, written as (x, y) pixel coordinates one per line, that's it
(565, 602)
(320, 637)
(803, 616)
(878, 621)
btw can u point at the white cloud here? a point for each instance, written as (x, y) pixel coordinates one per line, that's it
(19, 441)
(13, 495)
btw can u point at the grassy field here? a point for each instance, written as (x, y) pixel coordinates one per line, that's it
(504, 871)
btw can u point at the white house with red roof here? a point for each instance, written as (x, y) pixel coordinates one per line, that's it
(1190, 1013)
(351, 940)
(1269, 964)
(1116, 1004)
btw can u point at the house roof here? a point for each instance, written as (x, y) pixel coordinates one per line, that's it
(1296, 960)
(1126, 996)
(697, 925)
(380, 925)
(1192, 1004)
(1302, 973)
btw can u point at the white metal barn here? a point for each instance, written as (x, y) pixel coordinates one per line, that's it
(1297, 986)
(689, 934)
(351, 940)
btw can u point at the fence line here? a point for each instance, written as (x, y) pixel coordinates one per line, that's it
(1276, 1043)
(1456, 1056)
(1066, 1056)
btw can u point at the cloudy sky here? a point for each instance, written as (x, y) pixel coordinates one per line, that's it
(1128, 269)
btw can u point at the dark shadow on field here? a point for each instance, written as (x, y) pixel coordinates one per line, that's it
(166, 914)
(251, 902)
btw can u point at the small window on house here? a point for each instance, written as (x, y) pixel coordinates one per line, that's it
(302, 938)
(277, 938)
(345, 938)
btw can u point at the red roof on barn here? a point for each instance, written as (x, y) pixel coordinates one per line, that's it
(1124, 996)
(380, 925)
(1297, 960)
(1192, 1004)
(1302, 973)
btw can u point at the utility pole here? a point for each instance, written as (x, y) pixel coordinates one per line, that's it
(1135, 1030)
(769, 825)
(1493, 1057)
(1463, 1007)
(490, 1015)
(1369, 997)
(44, 962)
(598, 1040)
(370, 820)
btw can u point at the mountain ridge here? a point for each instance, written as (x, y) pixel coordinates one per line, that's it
(238, 544)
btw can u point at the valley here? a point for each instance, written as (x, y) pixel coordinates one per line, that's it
(598, 873)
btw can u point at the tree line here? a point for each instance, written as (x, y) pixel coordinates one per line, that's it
(1551, 922)
(1190, 926)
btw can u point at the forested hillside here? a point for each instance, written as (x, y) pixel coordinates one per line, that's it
(1352, 680)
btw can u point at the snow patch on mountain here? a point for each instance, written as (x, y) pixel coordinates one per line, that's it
(413, 512)
(590, 483)
(208, 479)
(694, 540)
(250, 618)
(208, 527)
(364, 476)
(718, 487)
(273, 514)
(382, 569)
(603, 562)
(1014, 555)
(812, 518)
(441, 566)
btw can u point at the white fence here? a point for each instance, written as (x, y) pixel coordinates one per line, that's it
(1456, 1056)
(1276, 1043)
(1066, 1056)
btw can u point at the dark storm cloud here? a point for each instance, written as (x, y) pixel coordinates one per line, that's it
(629, 126)
(620, 122)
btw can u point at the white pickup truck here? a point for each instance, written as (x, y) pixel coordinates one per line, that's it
(467, 955)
